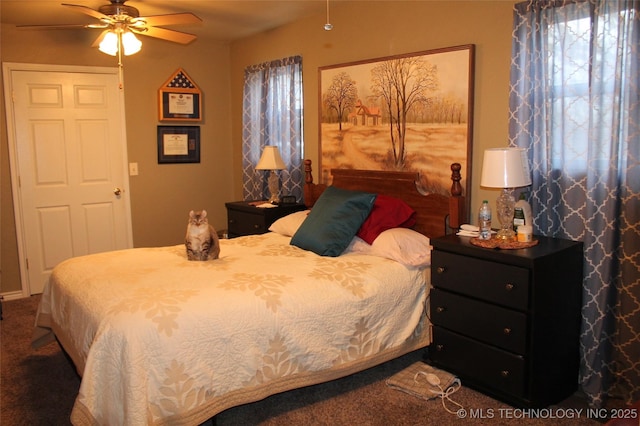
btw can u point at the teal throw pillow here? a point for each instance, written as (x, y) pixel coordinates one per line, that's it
(333, 221)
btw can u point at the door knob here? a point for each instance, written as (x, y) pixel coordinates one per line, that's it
(117, 191)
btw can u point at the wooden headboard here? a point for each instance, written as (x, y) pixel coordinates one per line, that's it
(436, 214)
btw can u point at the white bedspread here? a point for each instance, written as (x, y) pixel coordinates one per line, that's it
(159, 339)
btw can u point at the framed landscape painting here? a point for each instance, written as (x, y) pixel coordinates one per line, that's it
(410, 112)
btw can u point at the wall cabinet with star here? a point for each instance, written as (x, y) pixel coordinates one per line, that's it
(179, 99)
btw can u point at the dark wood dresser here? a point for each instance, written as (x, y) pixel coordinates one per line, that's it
(244, 218)
(507, 322)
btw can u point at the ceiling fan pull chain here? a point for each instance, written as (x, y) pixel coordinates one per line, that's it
(120, 70)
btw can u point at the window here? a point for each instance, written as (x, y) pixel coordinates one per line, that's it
(273, 115)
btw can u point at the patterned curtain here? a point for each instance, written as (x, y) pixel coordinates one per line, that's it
(272, 115)
(575, 107)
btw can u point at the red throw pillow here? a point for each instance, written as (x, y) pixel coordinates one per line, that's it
(388, 212)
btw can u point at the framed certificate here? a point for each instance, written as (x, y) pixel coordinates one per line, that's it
(179, 99)
(178, 144)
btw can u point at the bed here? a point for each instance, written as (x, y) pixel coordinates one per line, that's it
(158, 339)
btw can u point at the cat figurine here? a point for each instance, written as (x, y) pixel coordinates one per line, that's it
(201, 240)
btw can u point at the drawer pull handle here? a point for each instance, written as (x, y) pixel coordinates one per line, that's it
(440, 309)
(504, 373)
(440, 269)
(439, 348)
(232, 221)
(507, 331)
(509, 287)
(256, 226)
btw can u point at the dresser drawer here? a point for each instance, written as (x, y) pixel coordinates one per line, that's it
(243, 223)
(479, 362)
(491, 281)
(491, 324)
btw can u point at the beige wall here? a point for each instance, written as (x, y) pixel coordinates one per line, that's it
(374, 29)
(162, 195)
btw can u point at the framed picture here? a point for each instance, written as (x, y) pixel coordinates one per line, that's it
(179, 106)
(411, 112)
(179, 99)
(178, 144)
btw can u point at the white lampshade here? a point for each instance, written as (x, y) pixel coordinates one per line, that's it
(270, 159)
(505, 168)
(130, 43)
(109, 44)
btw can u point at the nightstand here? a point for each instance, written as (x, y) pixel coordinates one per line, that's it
(507, 322)
(243, 218)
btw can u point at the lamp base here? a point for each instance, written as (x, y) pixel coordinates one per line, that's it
(274, 187)
(506, 235)
(506, 206)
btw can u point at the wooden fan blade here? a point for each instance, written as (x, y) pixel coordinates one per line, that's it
(58, 27)
(88, 11)
(170, 35)
(170, 19)
(98, 40)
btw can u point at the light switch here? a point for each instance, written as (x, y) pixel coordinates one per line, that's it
(133, 169)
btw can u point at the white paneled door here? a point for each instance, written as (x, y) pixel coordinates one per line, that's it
(68, 149)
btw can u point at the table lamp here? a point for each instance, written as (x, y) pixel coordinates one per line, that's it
(271, 160)
(505, 168)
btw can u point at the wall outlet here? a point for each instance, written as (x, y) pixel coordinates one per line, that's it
(133, 169)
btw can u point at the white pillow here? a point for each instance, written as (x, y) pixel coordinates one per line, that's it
(400, 244)
(360, 246)
(289, 224)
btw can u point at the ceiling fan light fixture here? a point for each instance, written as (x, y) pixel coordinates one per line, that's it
(130, 43)
(109, 44)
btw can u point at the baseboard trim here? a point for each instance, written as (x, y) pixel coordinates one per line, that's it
(12, 295)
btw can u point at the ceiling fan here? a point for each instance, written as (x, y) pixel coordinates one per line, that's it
(117, 17)
(119, 22)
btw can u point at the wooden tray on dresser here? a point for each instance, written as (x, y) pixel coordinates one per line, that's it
(496, 243)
